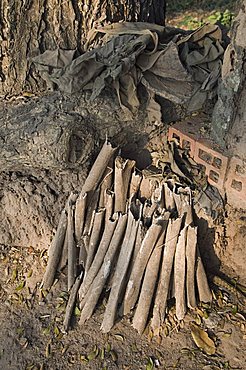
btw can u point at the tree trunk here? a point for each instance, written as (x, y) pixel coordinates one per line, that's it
(28, 28)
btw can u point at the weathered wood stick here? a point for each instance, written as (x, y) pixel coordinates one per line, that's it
(63, 259)
(204, 291)
(95, 236)
(71, 302)
(135, 182)
(135, 279)
(148, 211)
(82, 250)
(171, 238)
(55, 252)
(93, 179)
(98, 259)
(122, 174)
(149, 283)
(71, 247)
(106, 184)
(79, 215)
(95, 290)
(109, 204)
(191, 247)
(169, 199)
(120, 273)
(90, 212)
(179, 275)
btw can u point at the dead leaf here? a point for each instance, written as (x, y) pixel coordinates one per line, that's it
(150, 364)
(202, 339)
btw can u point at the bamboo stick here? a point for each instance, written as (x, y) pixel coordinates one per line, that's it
(149, 283)
(94, 238)
(148, 210)
(90, 213)
(109, 204)
(135, 279)
(79, 215)
(204, 291)
(55, 252)
(135, 182)
(93, 179)
(63, 259)
(120, 273)
(71, 301)
(191, 247)
(72, 250)
(105, 185)
(169, 198)
(171, 238)
(179, 275)
(122, 174)
(95, 290)
(82, 250)
(98, 259)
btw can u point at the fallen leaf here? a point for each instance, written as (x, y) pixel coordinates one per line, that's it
(21, 286)
(202, 339)
(150, 364)
(119, 337)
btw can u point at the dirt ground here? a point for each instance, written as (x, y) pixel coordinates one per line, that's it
(33, 192)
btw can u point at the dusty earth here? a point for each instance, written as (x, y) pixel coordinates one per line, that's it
(33, 192)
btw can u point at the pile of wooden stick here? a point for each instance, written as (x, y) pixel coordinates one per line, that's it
(133, 235)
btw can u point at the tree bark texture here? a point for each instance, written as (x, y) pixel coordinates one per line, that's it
(28, 28)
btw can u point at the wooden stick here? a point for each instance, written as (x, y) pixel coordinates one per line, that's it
(98, 259)
(120, 273)
(149, 283)
(135, 182)
(166, 269)
(95, 290)
(83, 250)
(92, 206)
(204, 291)
(93, 179)
(179, 275)
(55, 252)
(135, 279)
(71, 301)
(95, 236)
(72, 250)
(105, 185)
(63, 259)
(79, 215)
(148, 211)
(169, 199)
(109, 204)
(122, 174)
(146, 187)
(191, 247)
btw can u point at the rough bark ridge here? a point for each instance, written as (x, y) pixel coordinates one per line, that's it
(228, 125)
(28, 28)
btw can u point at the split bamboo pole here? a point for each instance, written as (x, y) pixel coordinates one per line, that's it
(71, 247)
(149, 283)
(96, 288)
(191, 248)
(95, 237)
(98, 259)
(120, 272)
(160, 303)
(179, 275)
(93, 179)
(136, 276)
(71, 301)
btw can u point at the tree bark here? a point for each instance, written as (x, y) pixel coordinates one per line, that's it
(28, 28)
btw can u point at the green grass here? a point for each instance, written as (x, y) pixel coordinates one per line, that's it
(177, 6)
